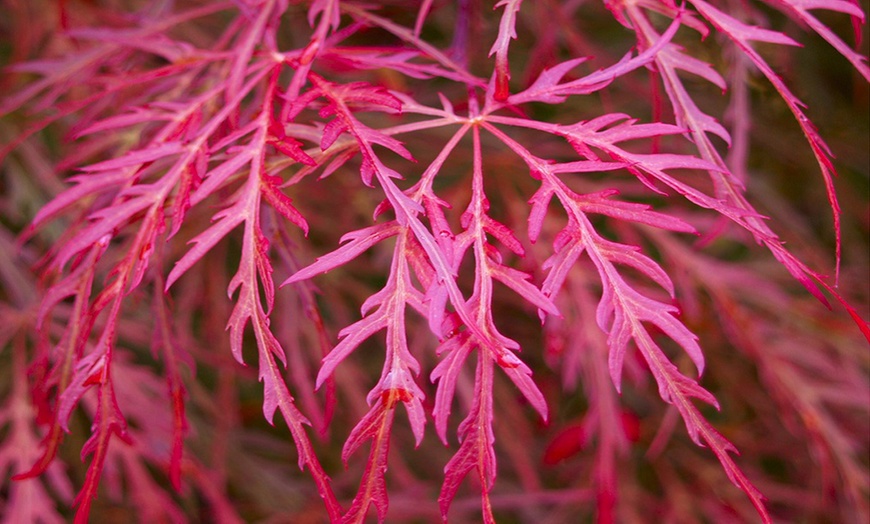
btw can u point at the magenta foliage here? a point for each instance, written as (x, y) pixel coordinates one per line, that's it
(499, 183)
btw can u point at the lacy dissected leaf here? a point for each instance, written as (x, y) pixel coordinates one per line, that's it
(355, 243)
(475, 432)
(239, 111)
(678, 390)
(800, 9)
(622, 310)
(476, 450)
(244, 209)
(507, 31)
(226, 220)
(397, 383)
(687, 113)
(108, 423)
(742, 35)
(357, 96)
(729, 188)
(549, 89)
(457, 348)
(375, 426)
(377, 58)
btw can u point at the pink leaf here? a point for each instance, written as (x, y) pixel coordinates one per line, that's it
(136, 158)
(601, 203)
(521, 376)
(548, 90)
(352, 336)
(476, 451)
(292, 148)
(375, 426)
(503, 234)
(507, 31)
(742, 34)
(446, 373)
(540, 202)
(136, 115)
(547, 81)
(357, 242)
(518, 281)
(281, 202)
(216, 177)
(227, 220)
(191, 177)
(108, 422)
